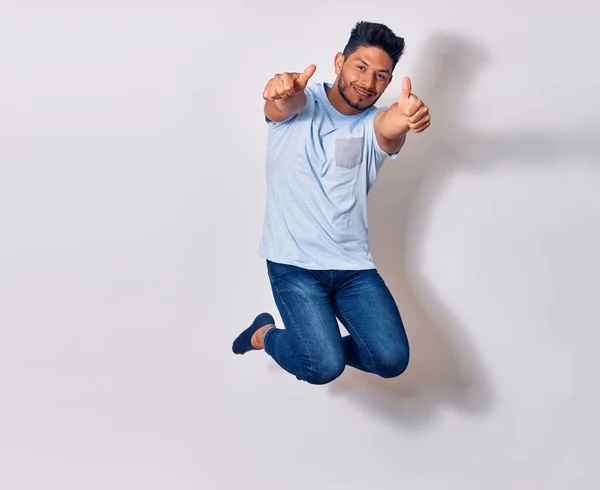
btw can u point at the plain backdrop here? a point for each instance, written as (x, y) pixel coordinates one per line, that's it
(132, 187)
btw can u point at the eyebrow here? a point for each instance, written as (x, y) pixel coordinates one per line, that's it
(363, 61)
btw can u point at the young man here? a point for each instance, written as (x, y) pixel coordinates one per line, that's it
(327, 143)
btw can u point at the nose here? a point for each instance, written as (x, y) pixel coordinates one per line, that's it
(369, 82)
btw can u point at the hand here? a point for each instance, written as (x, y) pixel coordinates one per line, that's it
(284, 85)
(412, 109)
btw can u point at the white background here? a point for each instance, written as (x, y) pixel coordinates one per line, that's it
(132, 192)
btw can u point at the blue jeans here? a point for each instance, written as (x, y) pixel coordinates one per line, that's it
(311, 346)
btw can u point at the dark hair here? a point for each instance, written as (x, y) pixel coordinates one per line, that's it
(377, 35)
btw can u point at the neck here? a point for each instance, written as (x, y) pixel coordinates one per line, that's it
(338, 102)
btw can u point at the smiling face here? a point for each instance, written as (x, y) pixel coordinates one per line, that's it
(363, 76)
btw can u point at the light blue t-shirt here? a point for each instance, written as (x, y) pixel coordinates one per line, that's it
(320, 166)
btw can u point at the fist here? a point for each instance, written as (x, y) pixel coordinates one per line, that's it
(412, 109)
(284, 85)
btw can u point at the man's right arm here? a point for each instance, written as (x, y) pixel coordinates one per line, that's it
(280, 110)
(284, 94)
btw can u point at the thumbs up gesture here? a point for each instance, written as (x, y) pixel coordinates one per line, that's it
(284, 85)
(412, 110)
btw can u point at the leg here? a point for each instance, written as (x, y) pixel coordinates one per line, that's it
(377, 342)
(310, 346)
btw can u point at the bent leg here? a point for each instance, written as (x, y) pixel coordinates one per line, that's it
(310, 346)
(377, 342)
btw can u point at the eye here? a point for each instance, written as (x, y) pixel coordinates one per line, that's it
(360, 67)
(381, 77)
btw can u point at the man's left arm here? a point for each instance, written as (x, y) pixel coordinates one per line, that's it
(392, 125)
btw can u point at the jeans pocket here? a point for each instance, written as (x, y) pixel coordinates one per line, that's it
(275, 269)
(349, 152)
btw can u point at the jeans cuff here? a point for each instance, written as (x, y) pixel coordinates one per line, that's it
(265, 336)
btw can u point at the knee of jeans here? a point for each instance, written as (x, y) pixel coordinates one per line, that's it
(392, 364)
(325, 369)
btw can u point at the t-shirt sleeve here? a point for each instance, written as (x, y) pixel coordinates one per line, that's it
(376, 154)
(309, 103)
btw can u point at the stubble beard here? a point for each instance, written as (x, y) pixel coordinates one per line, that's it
(344, 88)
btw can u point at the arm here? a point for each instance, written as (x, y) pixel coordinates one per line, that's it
(393, 124)
(284, 94)
(390, 136)
(282, 109)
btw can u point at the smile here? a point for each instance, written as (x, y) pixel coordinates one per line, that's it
(362, 93)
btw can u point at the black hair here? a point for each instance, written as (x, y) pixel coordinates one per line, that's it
(377, 35)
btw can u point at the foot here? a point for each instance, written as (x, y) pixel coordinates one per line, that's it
(258, 337)
(252, 337)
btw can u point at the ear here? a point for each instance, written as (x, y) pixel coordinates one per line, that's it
(338, 62)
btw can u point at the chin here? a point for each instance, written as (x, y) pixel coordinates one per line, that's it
(363, 105)
(356, 102)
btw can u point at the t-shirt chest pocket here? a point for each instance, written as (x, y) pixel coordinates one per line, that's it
(349, 152)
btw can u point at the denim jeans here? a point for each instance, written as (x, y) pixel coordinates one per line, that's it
(311, 346)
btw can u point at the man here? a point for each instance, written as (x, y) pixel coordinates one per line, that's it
(327, 143)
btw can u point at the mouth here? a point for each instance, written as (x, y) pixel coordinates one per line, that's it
(363, 93)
